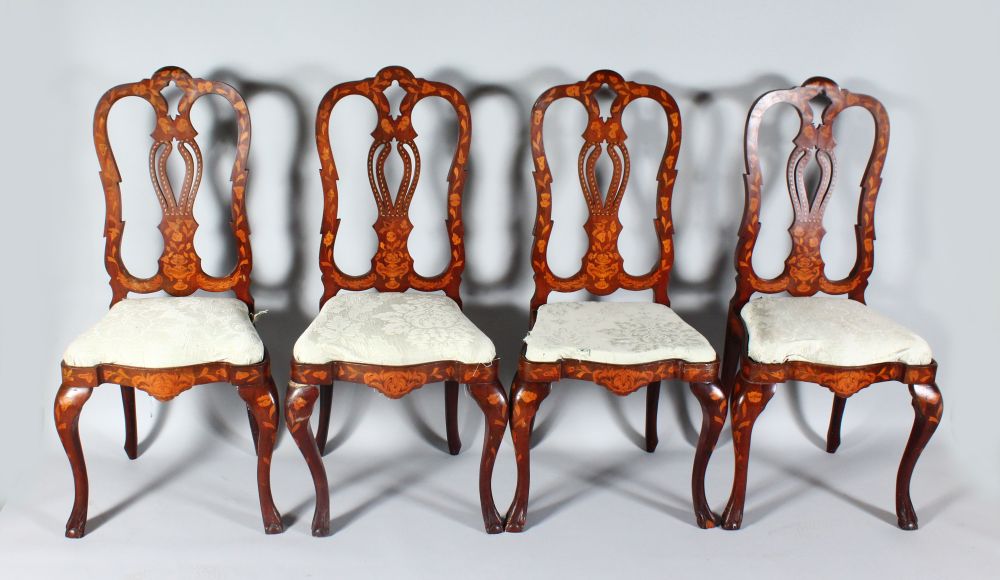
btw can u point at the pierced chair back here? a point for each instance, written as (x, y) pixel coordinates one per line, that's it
(180, 272)
(392, 265)
(602, 271)
(804, 271)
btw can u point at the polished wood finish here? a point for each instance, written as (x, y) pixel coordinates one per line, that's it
(752, 383)
(451, 416)
(179, 274)
(131, 428)
(652, 403)
(325, 407)
(392, 271)
(602, 272)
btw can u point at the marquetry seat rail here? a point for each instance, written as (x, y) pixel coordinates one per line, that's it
(752, 330)
(601, 273)
(448, 348)
(116, 352)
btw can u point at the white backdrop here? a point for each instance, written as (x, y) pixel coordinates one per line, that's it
(933, 68)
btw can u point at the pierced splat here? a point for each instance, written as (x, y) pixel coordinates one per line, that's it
(180, 272)
(392, 266)
(602, 271)
(804, 272)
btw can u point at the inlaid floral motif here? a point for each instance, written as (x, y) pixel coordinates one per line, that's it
(392, 267)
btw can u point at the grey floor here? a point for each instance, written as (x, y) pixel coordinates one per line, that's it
(402, 508)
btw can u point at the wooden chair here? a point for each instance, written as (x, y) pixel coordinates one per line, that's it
(838, 343)
(620, 346)
(391, 340)
(164, 346)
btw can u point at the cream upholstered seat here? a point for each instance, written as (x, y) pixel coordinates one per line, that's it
(392, 329)
(158, 333)
(827, 330)
(614, 333)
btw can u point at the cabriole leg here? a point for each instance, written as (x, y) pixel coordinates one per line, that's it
(927, 409)
(493, 401)
(713, 411)
(69, 403)
(525, 400)
(748, 401)
(299, 402)
(264, 407)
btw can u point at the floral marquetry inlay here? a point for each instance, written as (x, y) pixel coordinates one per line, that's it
(602, 271)
(392, 266)
(180, 272)
(804, 272)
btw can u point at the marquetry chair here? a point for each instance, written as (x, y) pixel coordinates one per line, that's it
(838, 343)
(620, 346)
(166, 345)
(389, 339)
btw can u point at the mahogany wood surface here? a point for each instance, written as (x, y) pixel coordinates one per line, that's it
(392, 271)
(179, 274)
(602, 272)
(752, 384)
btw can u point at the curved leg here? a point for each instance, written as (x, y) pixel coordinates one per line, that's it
(493, 401)
(927, 408)
(652, 402)
(69, 403)
(451, 416)
(299, 402)
(749, 400)
(525, 399)
(325, 406)
(261, 402)
(836, 416)
(131, 437)
(713, 412)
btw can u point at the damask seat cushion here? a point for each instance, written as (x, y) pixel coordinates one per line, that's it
(614, 333)
(158, 333)
(827, 330)
(392, 329)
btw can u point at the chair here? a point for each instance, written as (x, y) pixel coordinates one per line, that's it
(620, 346)
(166, 345)
(838, 343)
(391, 340)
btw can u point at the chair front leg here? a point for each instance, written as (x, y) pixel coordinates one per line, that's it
(652, 403)
(131, 435)
(263, 405)
(451, 416)
(748, 402)
(927, 408)
(299, 402)
(525, 400)
(69, 403)
(714, 407)
(493, 401)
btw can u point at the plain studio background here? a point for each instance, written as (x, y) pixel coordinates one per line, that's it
(600, 506)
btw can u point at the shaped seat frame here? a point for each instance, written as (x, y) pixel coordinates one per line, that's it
(179, 274)
(392, 271)
(601, 273)
(752, 384)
